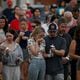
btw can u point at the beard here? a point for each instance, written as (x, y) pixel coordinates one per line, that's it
(62, 31)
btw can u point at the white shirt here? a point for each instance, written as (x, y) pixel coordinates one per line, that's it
(41, 48)
(2, 36)
(45, 27)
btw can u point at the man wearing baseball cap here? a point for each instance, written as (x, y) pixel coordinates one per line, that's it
(53, 27)
(55, 49)
(53, 8)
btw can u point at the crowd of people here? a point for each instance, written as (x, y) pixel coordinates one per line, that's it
(40, 45)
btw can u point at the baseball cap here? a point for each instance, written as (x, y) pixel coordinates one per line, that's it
(53, 6)
(24, 7)
(53, 27)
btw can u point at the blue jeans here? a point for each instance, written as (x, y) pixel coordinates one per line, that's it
(55, 77)
(37, 69)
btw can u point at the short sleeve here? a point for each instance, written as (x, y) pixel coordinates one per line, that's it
(63, 44)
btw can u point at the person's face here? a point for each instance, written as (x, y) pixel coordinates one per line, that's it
(17, 10)
(73, 3)
(41, 35)
(62, 28)
(33, 25)
(23, 25)
(2, 23)
(46, 8)
(68, 18)
(52, 33)
(9, 4)
(53, 10)
(9, 36)
(63, 3)
(37, 12)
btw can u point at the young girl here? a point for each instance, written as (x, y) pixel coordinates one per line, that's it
(12, 58)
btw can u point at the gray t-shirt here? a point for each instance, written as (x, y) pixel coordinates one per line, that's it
(54, 64)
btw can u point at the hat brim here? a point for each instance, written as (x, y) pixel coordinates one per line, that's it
(52, 30)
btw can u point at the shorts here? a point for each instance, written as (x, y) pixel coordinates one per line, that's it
(25, 54)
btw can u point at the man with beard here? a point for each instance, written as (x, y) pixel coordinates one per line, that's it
(55, 50)
(67, 37)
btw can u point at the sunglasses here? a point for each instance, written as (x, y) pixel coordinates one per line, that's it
(52, 31)
(33, 26)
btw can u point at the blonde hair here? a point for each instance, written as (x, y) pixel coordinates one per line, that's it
(68, 13)
(37, 31)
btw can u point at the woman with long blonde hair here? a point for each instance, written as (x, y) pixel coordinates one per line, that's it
(36, 46)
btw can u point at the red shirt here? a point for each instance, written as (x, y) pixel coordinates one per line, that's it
(29, 26)
(29, 14)
(14, 25)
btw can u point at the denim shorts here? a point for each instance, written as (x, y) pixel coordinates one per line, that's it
(25, 54)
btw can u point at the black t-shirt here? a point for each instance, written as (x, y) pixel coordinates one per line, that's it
(68, 39)
(54, 64)
(23, 43)
(0, 57)
(9, 13)
(78, 47)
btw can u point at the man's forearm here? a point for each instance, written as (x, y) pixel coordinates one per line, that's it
(59, 52)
